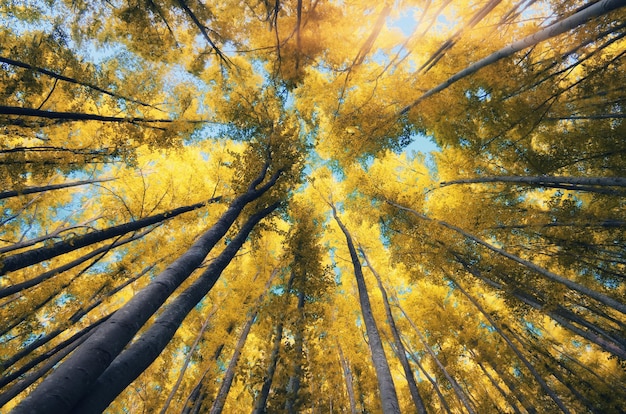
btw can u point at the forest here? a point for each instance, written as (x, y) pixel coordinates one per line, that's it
(312, 206)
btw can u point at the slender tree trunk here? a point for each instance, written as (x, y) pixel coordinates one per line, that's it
(183, 369)
(589, 184)
(507, 397)
(261, 402)
(34, 256)
(388, 396)
(605, 300)
(72, 320)
(7, 379)
(293, 385)
(513, 347)
(138, 357)
(229, 375)
(519, 394)
(193, 403)
(79, 116)
(562, 316)
(455, 385)
(442, 399)
(34, 190)
(70, 80)
(347, 374)
(18, 287)
(69, 382)
(408, 372)
(598, 9)
(52, 235)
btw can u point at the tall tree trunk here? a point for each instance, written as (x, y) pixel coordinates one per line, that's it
(408, 372)
(229, 375)
(442, 399)
(70, 80)
(190, 353)
(34, 190)
(69, 382)
(261, 401)
(388, 396)
(54, 359)
(542, 180)
(588, 184)
(559, 314)
(513, 347)
(34, 256)
(605, 300)
(347, 375)
(293, 385)
(584, 15)
(506, 396)
(78, 116)
(8, 378)
(455, 385)
(18, 287)
(72, 320)
(519, 394)
(138, 356)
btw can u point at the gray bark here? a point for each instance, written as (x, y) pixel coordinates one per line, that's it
(229, 375)
(513, 347)
(598, 9)
(455, 385)
(69, 382)
(347, 374)
(604, 299)
(34, 256)
(388, 396)
(408, 372)
(138, 356)
(51, 187)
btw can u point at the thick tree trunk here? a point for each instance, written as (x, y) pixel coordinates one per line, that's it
(69, 382)
(408, 372)
(388, 396)
(513, 347)
(51, 187)
(598, 9)
(605, 300)
(347, 375)
(31, 257)
(138, 356)
(455, 385)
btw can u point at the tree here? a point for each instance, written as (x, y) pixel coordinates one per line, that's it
(160, 159)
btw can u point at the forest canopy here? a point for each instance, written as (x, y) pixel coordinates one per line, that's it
(309, 206)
